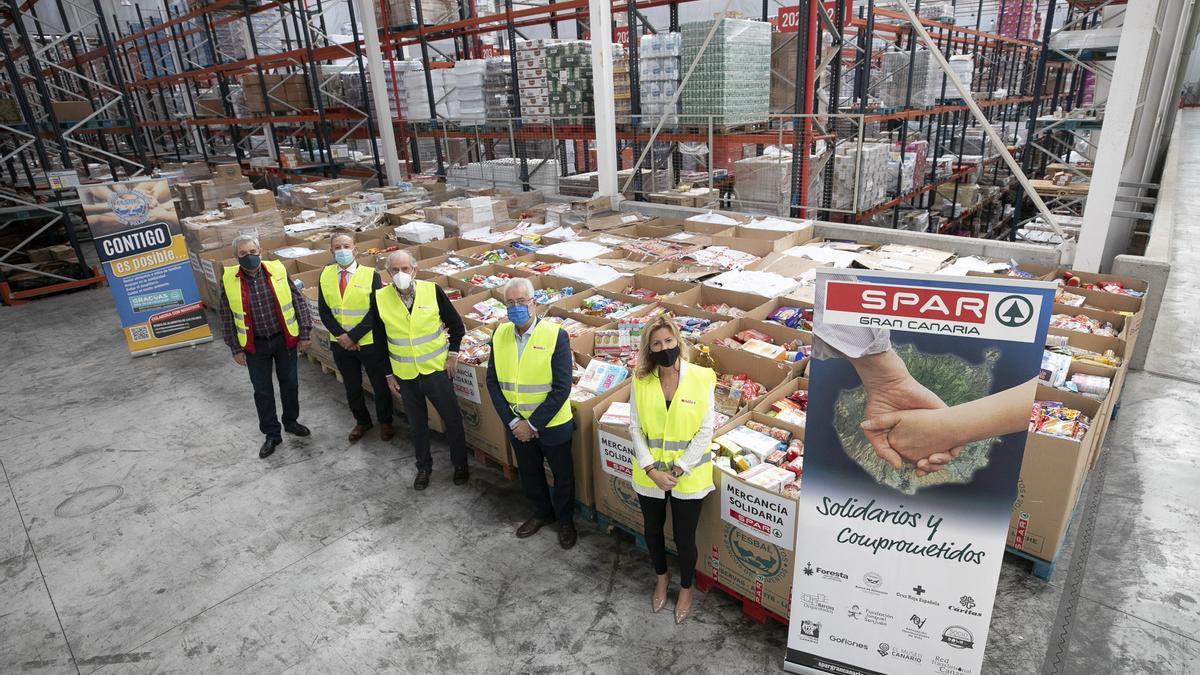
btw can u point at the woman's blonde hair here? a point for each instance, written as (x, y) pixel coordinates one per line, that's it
(665, 321)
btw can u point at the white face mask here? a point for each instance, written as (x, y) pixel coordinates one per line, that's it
(402, 281)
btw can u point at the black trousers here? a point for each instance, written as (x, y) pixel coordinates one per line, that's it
(531, 458)
(272, 354)
(351, 365)
(438, 389)
(686, 516)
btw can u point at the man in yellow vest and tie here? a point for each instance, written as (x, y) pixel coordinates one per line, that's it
(423, 357)
(264, 320)
(529, 380)
(344, 305)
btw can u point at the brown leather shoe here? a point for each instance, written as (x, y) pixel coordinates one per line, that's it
(531, 527)
(386, 432)
(567, 535)
(358, 432)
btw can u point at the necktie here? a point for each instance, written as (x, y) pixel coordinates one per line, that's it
(342, 282)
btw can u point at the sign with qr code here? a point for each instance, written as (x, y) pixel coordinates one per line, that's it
(149, 270)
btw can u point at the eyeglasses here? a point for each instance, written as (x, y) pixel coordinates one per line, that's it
(518, 301)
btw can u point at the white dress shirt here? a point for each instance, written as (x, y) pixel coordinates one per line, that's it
(695, 452)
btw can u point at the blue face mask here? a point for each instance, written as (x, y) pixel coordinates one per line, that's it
(519, 315)
(343, 256)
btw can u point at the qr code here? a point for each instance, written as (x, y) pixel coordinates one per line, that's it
(139, 333)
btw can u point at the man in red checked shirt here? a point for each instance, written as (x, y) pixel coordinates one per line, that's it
(264, 321)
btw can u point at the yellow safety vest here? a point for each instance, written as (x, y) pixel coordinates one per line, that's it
(283, 298)
(416, 342)
(350, 309)
(526, 381)
(670, 431)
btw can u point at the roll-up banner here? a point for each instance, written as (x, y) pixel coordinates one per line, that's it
(908, 368)
(141, 246)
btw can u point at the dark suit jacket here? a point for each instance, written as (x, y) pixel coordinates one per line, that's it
(561, 364)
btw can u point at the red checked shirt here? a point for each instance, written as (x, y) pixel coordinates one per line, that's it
(263, 311)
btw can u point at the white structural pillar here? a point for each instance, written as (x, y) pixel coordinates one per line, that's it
(600, 21)
(1102, 237)
(379, 98)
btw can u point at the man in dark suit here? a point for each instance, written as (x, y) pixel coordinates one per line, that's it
(529, 380)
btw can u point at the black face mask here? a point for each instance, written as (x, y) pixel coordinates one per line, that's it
(665, 358)
(249, 262)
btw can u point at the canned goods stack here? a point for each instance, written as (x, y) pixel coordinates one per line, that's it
(732, 81)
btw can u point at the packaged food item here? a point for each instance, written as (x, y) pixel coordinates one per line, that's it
(765, 350)
(751, 334)
(781, 435)
(1081, 323)
(488, 311)
(792, 317)
(1052, 418)
(1054, 368)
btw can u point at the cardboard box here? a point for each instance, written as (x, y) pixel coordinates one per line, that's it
(1053, 471)
(755, 568)
(746, 302)
(667, 290)
(583, 440)
(780, 334)
(612, 460)
(71, 111)
(261, 200)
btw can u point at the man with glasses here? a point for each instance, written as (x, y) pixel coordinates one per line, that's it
(529, 380)
(423, 332)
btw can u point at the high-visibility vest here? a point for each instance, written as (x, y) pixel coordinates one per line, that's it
(349, 309)
(525, 381)
(416, 342)
(670, 431)
(279, 286)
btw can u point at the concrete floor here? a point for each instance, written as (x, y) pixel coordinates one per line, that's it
(140, 533)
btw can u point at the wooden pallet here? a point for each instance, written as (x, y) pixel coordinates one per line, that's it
(745, 128)
(1044, 569)
(509, 471)
(608, 525)
(325, 367)
(752, 610)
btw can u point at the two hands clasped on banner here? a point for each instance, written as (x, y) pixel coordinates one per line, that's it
(905, 422)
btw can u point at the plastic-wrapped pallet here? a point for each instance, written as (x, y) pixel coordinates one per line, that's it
(497, 89)
(397, 90)
(417, 95)
(621, 88)
(731, 83)
(404, 12)
(765, 181)
(569, 64)
(926, 83)
(658, 77)
(872, 174)
(963, 66)
(231, 36)
(533, 78)
(504, 173)
(469, 106)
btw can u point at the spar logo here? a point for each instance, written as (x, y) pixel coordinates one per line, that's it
(758, 557)
(1014, 311)
(966, 311)
(913, 302)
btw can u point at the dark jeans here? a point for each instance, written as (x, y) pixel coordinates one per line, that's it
(351, 365)
(440, 392)
(272, 353)
(686, 516)
(530, 459)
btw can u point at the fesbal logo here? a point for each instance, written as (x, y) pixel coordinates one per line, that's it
(987, 314)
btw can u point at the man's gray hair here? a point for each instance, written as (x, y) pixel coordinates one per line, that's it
(244, 239)
(520, 284)
(411, 260)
